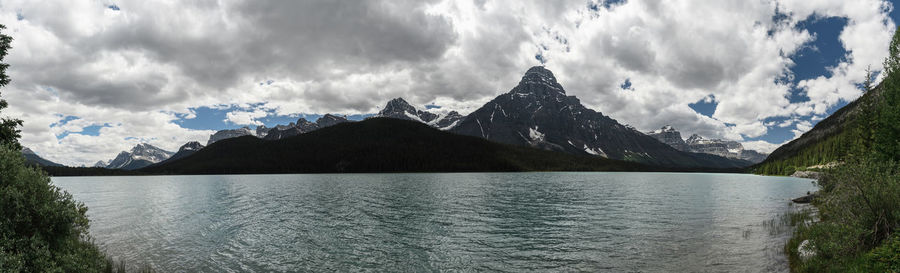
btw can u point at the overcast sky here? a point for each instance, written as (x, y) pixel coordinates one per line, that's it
(93, 78)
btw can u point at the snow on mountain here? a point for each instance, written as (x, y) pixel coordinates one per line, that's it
(230, 133)
(698, 144)
(537, 112)
(140, 156)
(398, 108)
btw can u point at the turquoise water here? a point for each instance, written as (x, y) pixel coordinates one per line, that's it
(511, 222)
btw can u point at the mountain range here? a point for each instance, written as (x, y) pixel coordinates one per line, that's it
(536, 113)
(378, 145)
(698, 144)
(140, 156)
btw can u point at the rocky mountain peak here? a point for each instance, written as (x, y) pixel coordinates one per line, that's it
(695, 139)
(191, 146)
(27, 151)
(537, 80)
(330, 120)
(398, 104)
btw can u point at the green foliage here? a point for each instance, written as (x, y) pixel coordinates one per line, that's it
(43, 228)
(859, 200)
(9, 132)
(831, 149)
(885, 258)
(859, 211)
(887, 131)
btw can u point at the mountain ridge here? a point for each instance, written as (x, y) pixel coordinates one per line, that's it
(377, 145)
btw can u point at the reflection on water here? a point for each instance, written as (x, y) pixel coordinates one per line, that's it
(510, 222)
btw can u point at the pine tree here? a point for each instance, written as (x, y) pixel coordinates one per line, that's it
(887, 132)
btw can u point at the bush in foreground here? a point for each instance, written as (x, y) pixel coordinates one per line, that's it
(42, 229)
(859, 215)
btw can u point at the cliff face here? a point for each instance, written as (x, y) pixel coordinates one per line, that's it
(698, 144)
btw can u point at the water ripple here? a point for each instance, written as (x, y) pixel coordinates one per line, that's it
(620, 222)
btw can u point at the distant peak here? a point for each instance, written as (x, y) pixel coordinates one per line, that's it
(694, 138)
(330, 116)
(193, 145)
(665, 129)
(27, 151)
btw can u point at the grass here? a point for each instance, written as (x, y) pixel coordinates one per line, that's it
(113, 266)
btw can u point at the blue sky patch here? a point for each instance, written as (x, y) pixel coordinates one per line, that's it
(113, 7)
(814, 59)
(706, 106)
(63, 120)
(626, 85)
(811, 61)
(213, 118)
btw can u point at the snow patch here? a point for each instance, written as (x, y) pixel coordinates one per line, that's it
(535, 134)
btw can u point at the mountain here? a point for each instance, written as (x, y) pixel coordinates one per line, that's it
(185, 150)
(538, 113)
(230, 133)
(140, 156)
(101, 164)
(697, 144)
(33, 159)
(377, 145)
(303, 126)
(400, 109)
(828, 141)
(670, 136)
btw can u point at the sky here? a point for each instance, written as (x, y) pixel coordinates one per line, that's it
(93, 78)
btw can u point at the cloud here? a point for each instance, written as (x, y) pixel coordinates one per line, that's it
(140, 65)
(761, 146)
(245, 118)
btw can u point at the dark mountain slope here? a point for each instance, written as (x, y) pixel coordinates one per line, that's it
(538, 113)
(377, 145)
(185, 150)
(33, 159)
(829, 141)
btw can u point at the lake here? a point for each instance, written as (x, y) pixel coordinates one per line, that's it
(510, 222)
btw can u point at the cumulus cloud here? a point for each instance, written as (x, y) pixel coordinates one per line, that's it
(144, 65)
(245, 118)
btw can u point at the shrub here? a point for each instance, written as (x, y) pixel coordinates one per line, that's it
(886, 258)
(42, 229)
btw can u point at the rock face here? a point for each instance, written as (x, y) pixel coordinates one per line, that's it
(186, 150)
(140, 156)
(807, 174)
(304, 126)
(231, 133)
(697, 144)
(668, 135)
(537, 112)
(400, 109)
(330, 120)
